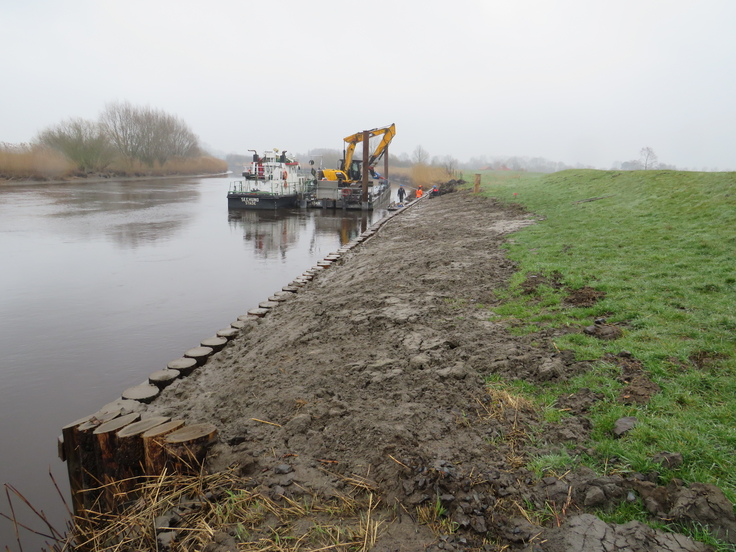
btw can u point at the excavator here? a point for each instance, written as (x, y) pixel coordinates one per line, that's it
(350, 169)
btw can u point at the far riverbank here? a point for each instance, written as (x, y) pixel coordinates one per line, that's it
(99, 178)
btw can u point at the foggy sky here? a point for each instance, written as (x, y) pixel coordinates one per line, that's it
(577, 81)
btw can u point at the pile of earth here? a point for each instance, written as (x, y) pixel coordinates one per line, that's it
(375, 373)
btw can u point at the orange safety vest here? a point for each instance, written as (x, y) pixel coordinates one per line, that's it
(419, 193)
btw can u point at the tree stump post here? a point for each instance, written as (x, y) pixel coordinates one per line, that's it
(74, 463)
(105, 445)
(186, 448)
(129, 456)
(153, 446)
(85, 443)
(476, 184)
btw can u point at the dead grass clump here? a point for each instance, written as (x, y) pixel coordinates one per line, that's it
(502, 400)
(191, 512)
(31, 162)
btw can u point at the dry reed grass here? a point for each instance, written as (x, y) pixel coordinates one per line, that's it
(424, 175)
(209, 508)
(32, 162)
(19, 162)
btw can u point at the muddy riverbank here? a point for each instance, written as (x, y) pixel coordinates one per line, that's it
(372, 379)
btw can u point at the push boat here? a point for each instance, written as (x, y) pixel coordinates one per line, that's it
(271, 181)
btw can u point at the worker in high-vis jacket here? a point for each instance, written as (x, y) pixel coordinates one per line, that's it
(419, 192)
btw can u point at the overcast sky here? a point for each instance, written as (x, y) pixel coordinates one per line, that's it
(577, 81)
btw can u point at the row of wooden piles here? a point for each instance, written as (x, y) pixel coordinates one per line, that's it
(110, 453)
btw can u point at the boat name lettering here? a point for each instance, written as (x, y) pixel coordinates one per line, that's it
(249, 200)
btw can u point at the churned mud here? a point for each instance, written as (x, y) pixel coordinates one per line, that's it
(373, 378)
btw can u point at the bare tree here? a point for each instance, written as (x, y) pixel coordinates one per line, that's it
(148, 135)
(420, 156)
(82, 142)
(648, 158)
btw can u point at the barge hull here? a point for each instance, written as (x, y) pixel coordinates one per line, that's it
(260, 201)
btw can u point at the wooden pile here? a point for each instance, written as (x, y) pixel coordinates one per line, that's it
(110, 453)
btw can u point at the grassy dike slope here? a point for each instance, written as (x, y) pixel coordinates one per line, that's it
(662, 246)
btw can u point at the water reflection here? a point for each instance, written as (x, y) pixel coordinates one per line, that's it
(117, 197)
(269, 231)
(275, 232)
(346, 224)
(132, 235)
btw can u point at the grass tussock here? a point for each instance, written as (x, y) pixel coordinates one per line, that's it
(197, 511)
(662, 246)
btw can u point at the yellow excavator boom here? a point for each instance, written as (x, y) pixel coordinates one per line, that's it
(388, 133)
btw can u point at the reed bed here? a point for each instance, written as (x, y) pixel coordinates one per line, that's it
(32, 162)
(423, 175)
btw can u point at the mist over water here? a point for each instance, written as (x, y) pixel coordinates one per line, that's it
(104, 283)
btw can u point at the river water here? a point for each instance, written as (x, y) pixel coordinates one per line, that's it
(103, 283)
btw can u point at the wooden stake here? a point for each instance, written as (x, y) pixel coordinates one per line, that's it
(105, 445)
(129, 454)
(73, 462)
(186, 448)
(85, 443)
(153, 450)
(476, 184)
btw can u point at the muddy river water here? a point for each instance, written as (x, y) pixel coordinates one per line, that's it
(103, 283)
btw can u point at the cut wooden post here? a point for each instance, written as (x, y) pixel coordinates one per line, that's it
(129, 454)
(162, 378)
(85, 441)
(476, 184)
(200, 354)
(153, 450)
(186, 448)
(259, 312)
(184, 365)
(228, 333)
(105, 444)
(71, 452)
(214, 343)
(267, 304)
(144, 393)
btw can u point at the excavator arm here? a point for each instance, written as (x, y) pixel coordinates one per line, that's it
(388, 133)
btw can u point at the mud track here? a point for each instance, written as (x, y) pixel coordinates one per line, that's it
(375, 371)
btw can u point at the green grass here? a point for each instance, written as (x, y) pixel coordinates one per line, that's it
(662, 246)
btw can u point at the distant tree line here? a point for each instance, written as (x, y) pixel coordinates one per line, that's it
(123, 134)
(647, 161)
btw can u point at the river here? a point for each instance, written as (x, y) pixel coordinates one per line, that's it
(103, 283)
